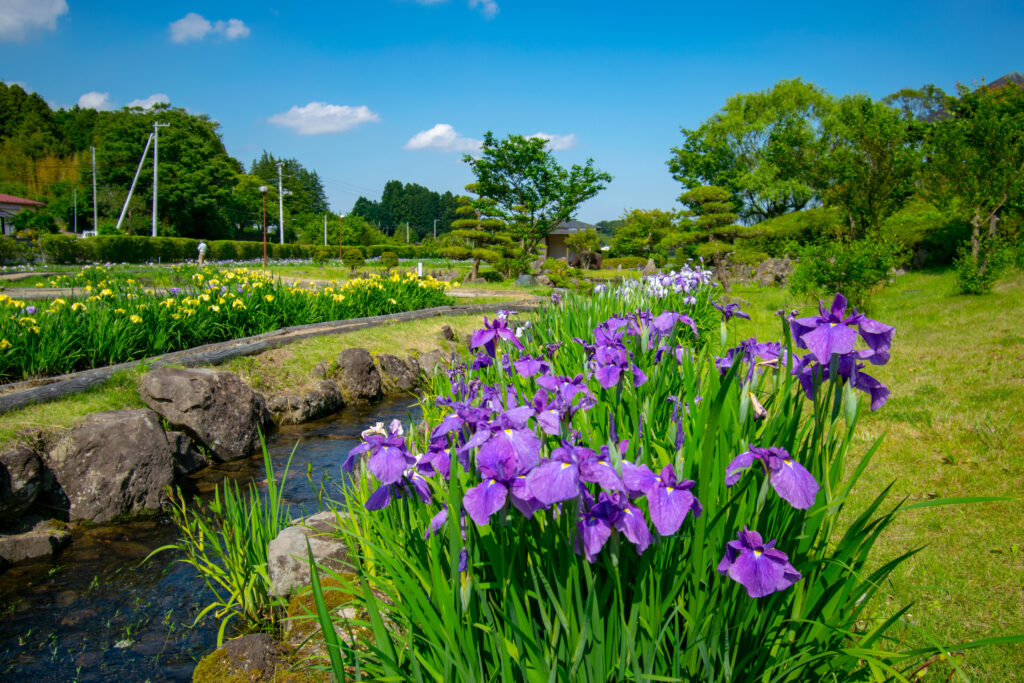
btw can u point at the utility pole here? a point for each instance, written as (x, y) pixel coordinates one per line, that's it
(124, 209)
(76, 209)
(280, 202)
(435, 228)
(156, 144)
(407, 232)
(95, 212)
(340, 216)
(263, 191)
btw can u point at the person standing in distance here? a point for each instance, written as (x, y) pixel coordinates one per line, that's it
(202, 252)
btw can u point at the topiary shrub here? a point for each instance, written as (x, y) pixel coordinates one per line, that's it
(353, 258)
(389, 260)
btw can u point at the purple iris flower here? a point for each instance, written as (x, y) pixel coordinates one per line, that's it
(807, 371)
(730, 310)
(30, 310)
(482, 361)
(757, 566)
(551, 349)
(749, 351)
(612, 511)
(491, 332)
(389, 458)
(411, 484)
(790, 479)
(666, 321)
(562, 477)
(830, 332)
(556, 298)
(528, 366)
(508, 454)
(668, 500)
(175, 291)
(507, 436)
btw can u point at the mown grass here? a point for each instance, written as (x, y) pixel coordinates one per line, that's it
(954, 426)
(287, 367)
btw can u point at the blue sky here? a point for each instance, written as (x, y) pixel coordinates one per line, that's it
(363, 92)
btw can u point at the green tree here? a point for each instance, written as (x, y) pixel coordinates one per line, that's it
(759, 147)
(478, 233)
(927, 103)
(587, 244)
(712, 221)
(868, 163)
(197, 175)
(975, 168)
(356, 230)
(306, 196)
(527, 189)
(642, 231)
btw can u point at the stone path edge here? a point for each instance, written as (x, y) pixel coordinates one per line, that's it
(19, 394)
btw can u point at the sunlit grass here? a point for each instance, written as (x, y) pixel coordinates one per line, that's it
(954, 427)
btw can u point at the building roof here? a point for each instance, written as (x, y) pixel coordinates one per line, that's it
(569, 227)
(11, 199)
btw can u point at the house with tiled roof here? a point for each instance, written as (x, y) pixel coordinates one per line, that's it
(556, 246)
(10, 206)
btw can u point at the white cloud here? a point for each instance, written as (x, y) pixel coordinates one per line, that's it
(195, 26)
(19, 17)
(488, 7)
(557, 142)
(94, 100)
(319, 118)
(443, 137)
(232, 29)
(147, 103)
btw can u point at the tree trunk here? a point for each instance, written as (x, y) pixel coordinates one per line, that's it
(975, 237)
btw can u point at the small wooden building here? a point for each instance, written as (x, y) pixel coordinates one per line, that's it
(10, 206)
(556, 247)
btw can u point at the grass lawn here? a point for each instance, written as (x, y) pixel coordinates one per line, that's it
(954, 426)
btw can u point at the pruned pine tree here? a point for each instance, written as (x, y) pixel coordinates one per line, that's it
(482, 235)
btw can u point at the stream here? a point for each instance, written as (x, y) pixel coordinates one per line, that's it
(95, 613)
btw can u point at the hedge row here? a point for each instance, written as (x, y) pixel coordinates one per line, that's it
(133, 249)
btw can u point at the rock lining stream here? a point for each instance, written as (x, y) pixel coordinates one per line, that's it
(94, 613)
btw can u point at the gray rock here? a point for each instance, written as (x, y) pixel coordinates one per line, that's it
(187, 456)
(431, 361)
(447, 333)
(257, 656)
(396, 373)
(651, 268)
(217, 409)
(358, 376)
(21, 480)
(536, 265)
(322, 400)
(113, 464)
(773, 272)
(526, 280)
(37, 539)
(544, 280)
(287, 560)
(322, 370)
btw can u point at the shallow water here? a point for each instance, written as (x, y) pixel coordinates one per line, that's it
(96, 613)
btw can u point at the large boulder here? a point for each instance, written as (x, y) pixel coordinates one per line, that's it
(36, 539)
(113, 464)
(526, 280)
(217, 409)
(397, 374)
(651, 268)
(322, 400)
(253, 657)
(358, 376)
(188, 458)
(21, 480)
(287, 558)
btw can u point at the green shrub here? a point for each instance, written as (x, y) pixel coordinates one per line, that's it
(971, 278)
(627, 262)
(321, 254)
(708, 250)
(748, 257)
(491, 276)
(389, 259)
(353, 258)
(61, 248)
(14, 250)
(853, 268)
(222, 250)
(931, 235)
